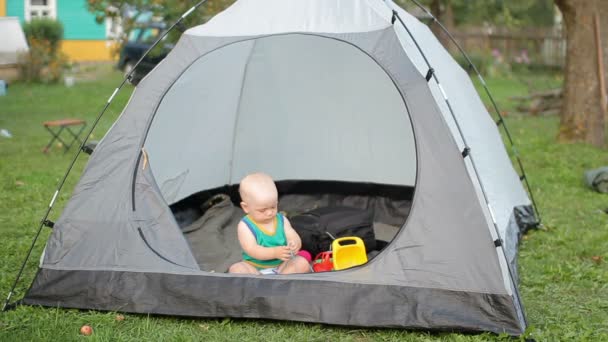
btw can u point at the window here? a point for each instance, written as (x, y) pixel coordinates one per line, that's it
(134, 34)
(40, 9)
(113, 28)
(150, 35)
(113, 23)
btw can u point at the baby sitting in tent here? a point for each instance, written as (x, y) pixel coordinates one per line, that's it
(268, 241)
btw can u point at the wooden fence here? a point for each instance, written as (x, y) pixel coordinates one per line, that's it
(538, 46)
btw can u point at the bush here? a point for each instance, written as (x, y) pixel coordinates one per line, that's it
(44, 30)
(490, 64)
(43, 62)
(32, 62)
(480, 60)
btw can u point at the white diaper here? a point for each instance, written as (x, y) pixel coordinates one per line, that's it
(274, 270)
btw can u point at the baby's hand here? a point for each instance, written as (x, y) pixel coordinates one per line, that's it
(282, 253)
(294, 246)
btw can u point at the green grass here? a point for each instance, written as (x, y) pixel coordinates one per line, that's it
(563, 267)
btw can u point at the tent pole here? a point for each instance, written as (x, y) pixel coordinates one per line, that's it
(467, 152)
(84, 141)
(501, 120)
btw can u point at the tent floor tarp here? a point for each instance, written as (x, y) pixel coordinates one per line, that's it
(272, 297)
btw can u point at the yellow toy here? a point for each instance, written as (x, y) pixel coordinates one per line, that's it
(348, 252)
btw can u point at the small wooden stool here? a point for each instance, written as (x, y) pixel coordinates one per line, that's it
(52, 126)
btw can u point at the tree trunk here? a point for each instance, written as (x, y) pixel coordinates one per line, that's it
(582, 118)
(442, 10)
(603, 13)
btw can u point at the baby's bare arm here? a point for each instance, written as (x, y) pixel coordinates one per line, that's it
(251, 247)
(292, 236)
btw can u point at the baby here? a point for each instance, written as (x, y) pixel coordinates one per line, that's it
(269, 242)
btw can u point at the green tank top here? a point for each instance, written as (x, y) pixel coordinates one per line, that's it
(265, 239)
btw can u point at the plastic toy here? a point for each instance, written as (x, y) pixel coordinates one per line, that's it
(348, 252)
(323, 262)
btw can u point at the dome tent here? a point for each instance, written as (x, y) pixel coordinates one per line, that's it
(308, 91)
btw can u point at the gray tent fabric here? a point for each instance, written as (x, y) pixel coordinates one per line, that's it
(211, 237)
(304, 90)
(500, 181)
(246, 88)
(597, 179)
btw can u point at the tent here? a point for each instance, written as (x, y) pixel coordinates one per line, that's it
(13, 44)
(13, 40)
(336, 101)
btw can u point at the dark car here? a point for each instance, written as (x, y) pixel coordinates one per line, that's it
(139, 41)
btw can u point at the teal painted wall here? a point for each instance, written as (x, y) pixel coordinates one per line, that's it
(15, 8)
(78, 22)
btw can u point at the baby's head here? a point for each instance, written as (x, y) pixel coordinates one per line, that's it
(259, 197)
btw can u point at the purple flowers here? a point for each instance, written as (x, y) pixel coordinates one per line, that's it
(523, 57)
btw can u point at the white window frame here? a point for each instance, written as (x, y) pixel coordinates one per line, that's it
(113, 25)
(51, 8)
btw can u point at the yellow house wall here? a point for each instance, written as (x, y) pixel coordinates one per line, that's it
(2, 8)
(88, 50)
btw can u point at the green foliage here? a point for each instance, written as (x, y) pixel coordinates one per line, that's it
(490, 64)
(41, 63)
(520, 13)
(494, 64)
(44, 62)
(44, 29)
(516, 84)
(479, 59)
(32, 63)
(167, 11)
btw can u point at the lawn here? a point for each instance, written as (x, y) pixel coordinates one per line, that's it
(563, 265)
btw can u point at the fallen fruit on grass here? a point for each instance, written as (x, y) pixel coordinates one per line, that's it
(120, 318)
(86, 330)
(597, 258)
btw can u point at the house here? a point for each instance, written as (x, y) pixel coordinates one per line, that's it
(83, 38)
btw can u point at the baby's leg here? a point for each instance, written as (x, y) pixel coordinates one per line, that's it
(243, 267)
(296, 264)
